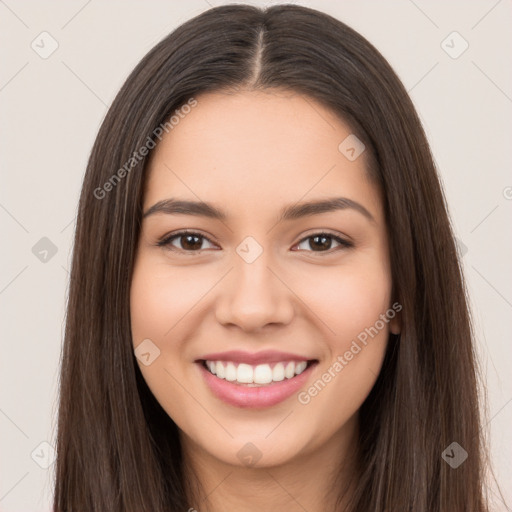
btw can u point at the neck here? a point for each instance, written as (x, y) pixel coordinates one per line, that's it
(317, 481)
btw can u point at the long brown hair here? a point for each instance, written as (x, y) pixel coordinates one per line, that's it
(117, 449)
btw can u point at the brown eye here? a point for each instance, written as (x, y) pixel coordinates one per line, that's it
(187, 241)
(323, 242)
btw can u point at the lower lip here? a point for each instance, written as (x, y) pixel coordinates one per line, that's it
(267, 395)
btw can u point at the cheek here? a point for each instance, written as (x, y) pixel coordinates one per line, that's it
(352, 302)
(146, 306)
(160, 297)
(347, 300)
(158, 303)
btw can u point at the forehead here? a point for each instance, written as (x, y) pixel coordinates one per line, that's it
(251, 150)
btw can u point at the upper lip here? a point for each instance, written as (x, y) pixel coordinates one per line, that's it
(265, 356)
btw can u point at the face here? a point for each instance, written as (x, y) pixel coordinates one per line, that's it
(288, 305)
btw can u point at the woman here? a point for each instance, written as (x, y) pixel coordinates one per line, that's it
(266, 308)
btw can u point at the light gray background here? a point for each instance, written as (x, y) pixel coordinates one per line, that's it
(52, 108)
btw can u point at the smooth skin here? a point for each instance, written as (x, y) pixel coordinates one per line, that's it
(251, 154)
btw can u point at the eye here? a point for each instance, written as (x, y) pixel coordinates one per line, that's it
(322, 242)
(190, 241)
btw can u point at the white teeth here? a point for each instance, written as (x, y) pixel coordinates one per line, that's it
(278, 372)
(230, 372)
(300, 367)
(289, 371)
(244, 373)
(262, 374)
(219, 370)
(257, 375)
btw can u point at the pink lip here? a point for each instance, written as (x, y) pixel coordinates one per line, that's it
(240, 395)
(265, 356)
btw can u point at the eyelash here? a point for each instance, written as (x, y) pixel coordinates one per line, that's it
(166, 241)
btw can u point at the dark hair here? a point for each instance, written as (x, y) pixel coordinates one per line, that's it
(117, 449)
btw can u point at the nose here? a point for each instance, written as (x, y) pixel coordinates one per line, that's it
(254, 296)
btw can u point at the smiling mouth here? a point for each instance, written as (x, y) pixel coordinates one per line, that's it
(260, 375)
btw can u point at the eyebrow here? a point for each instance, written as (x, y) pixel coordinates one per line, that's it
(290, 212)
